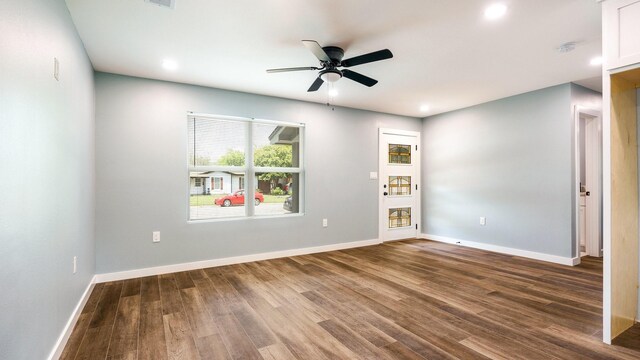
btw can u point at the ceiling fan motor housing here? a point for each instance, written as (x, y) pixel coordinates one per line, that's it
(335, 54)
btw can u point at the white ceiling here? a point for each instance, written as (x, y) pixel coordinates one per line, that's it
(446, 54)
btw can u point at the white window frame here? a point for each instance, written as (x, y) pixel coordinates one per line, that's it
(213, 183)
(249, 169)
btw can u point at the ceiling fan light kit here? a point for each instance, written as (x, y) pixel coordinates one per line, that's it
(330, 75)
(330, 58)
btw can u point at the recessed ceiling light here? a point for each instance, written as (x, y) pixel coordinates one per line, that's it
(495, 11)
(424, 108)
(169, 64)
(596, 61)
(333, 92)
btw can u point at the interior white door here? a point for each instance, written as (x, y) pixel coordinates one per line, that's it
(399, 179)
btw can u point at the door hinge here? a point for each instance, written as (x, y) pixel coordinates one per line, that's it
(416, 226)
(416, 147)
(416, 186)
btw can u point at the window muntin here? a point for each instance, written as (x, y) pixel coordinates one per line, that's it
(399, 185)
(399, 154)
(399, 217)
(267, 173)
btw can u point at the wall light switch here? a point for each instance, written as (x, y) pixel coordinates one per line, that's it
(483, 221)
(373, 175)
(156, 236)
(325, 222)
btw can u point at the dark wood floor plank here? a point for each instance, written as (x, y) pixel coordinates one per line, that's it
(235, 339)
(199, 319)
(151, 344)
(170, 295)
(183, 280)
(410, 299)
(212, 348)
(105, 312)
(95, 343)
(149, 289)
(125, 330)
(131, 287)
(75, 339)
(179, 338)
(91, 304)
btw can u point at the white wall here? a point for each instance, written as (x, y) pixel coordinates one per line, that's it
(134, 115)
(46, 175)
(509, 160)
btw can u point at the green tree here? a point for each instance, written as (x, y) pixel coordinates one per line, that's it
(273, 156)
(202, 160)
(232, 158)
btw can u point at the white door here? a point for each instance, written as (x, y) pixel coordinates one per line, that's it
(589, 184)
(593, 160)
(399, 179)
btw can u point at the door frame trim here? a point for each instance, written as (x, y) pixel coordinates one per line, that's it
(415, 213)
(595, 215)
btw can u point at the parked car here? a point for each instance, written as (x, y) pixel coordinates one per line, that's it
(237, 198)
(287, 205)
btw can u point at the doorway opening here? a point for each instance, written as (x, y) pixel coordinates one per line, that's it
(588, 180)
(399, 189)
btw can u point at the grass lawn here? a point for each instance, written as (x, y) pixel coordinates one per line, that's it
(201, 200)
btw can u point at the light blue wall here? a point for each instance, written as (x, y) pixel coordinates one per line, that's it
(46, 175)
(510, 160)
(141, 134)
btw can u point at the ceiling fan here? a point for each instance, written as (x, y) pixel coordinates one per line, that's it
(331, 59)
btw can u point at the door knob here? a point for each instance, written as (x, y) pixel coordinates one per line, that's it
(385, 193)
(588, 193)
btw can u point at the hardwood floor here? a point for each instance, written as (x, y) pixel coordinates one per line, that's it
(404, 300)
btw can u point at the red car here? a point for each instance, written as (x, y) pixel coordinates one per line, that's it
(237, 198)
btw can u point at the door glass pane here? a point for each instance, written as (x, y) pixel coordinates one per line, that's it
(399, 185)
(276, 145)
(216, 142)
(216, 194)
(277, 194)
(399, 217)
(399, 154)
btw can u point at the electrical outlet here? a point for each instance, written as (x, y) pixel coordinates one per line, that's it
(75, 264)
(483, 220)
(325, 223)
(156, 236)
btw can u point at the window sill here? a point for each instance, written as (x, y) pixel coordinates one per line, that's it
(259, 217)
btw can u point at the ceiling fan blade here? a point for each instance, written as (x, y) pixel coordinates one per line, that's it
(316, 49)
(367, 58)
(292, 69)
(316, 85)
(357, 77)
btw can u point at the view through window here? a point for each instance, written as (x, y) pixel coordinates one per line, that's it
(235, 159)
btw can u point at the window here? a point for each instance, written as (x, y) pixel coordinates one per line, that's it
(244, 159)
(217, 183)
(198, 182)
(399, 154)
(399, 185)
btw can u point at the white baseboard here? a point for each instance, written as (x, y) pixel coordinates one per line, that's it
(504, 250)
(66, 332)
(166, 269)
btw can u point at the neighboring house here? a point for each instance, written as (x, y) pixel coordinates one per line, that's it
(215, 182)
